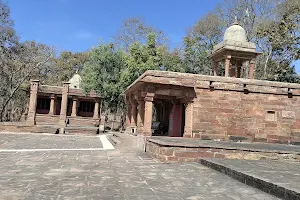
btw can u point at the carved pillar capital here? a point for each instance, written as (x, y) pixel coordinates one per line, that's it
(149, 97)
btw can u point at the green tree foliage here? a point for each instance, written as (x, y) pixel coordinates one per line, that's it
(135, 30)
(199, 42)
(102, 73)
(140, 58)
(171, 61)
(63, 67)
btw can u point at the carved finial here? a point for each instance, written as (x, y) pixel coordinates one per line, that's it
(235, 21)
(77, 69)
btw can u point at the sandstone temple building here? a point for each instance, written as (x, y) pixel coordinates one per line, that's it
(64, 105)
(216, 107)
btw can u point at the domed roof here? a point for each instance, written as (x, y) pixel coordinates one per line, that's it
(75, 81)
(235, 33)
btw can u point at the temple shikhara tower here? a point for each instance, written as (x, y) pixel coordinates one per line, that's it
(233, 51)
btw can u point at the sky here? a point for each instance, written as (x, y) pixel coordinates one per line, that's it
(78, 25)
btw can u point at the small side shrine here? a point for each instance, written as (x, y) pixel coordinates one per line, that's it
(234, 50)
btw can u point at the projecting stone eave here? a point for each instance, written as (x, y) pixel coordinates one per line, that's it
(49, 89)
(153, 76)
(192, 80)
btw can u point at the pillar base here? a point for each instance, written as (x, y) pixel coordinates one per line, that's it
(147, 134)
(187, 136)
(62, 131)
(30, 122)
(62, 123)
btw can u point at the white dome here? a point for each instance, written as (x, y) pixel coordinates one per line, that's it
(235, 33)
(75, 81)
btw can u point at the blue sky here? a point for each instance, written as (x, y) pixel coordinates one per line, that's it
(78, 25)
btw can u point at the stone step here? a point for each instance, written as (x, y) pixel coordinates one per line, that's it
(90, 130)
(277, 178)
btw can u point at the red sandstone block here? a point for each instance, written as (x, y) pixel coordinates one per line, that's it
(218, 155)
(204, 149)
(171, 159)
(278, 141)
(187, 159)
(193, 154)
(236, 131)
(296, 125)
(215, 150)
(166, 151)
(271, 125)
(278, 137)
(215, 123)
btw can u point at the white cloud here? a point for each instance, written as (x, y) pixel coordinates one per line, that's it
(84, 34)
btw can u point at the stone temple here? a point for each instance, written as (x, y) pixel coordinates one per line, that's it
(216, 107)
(64, 105)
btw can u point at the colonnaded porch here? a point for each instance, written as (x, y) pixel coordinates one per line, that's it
(61, 105)
(170, 104)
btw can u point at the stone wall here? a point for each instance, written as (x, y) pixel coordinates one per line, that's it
(168, 153)
(256, 112)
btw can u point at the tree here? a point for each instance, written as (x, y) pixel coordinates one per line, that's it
(140, 58)
(283, 38)
(135, 30)
(7, 33)
(272, 25)
(18, 65)
(171, 61)
(63, 67)
(199, 42)
(102, 72)
(19, 62)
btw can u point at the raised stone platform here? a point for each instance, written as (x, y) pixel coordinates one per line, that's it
(274, 177)
(169, 149)
(21, 127)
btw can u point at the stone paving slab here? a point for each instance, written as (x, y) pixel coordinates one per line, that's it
(113, 174)
(275, 177)
(193, 142)
(47, 141)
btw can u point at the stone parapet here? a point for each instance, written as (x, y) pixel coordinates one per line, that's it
(192, 150)
(226, 83)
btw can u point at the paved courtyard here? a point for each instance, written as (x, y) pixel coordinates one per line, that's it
(36, 166)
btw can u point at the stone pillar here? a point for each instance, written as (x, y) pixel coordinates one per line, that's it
(238, 70)
(74, 107)
(64, 104)
(133, 113)
(227, 65)
(128, 115)
(52, 104)
(34, 87)
(251, 69)
(215, 68)
(140, 115)
(148, 114)
(233, 72)
(188, 127)
(96, 109)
